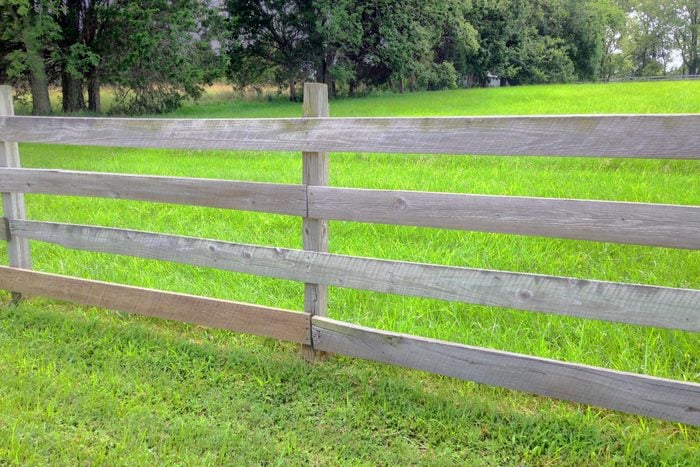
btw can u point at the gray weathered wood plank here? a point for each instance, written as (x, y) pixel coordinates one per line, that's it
(248, 196)
(314, 230)
(12, 203)
(611, 301)
(639, 136)
(627, 392)
(315, 172)
(607, 221)
(240, 317)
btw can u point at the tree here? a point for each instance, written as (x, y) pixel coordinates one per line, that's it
(80, 53)
(280, 33)
(585, 31)
(458, 40)
(29, 32)
(156, 53)
(684, 18)
(613, 62)
(410, 42)
(522, 41)
(648, 43)
(339, 35)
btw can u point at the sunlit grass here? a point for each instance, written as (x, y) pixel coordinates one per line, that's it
(662, 97)
(167, 392)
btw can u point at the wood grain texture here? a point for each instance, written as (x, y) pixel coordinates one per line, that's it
(315, 172)
(639, 136)
(627, 392)
(12, 203)
(240, 317)
(229, 194)
(607, 221)
(611, 301)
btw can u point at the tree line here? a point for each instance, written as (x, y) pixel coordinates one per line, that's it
(156, 53)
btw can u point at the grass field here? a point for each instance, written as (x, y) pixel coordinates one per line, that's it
(91, 386)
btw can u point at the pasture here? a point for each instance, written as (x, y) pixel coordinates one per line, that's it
(101, 386)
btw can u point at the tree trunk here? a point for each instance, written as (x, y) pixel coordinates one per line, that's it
(72, 90)
(94, 103)
(402, 85)
(38, 80)
(71, 84)
(326, 75)
(352, 87)
(694, 62)
(41, 105)
(292, 90)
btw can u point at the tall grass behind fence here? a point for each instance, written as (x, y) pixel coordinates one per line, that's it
(315, 135)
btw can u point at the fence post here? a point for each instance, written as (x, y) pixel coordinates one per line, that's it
(13, 203)
(315, 231)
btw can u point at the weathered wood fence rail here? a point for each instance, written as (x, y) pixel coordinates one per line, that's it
(635, 136)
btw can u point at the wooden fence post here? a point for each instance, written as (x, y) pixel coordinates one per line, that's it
(315, 231)
(13, 203)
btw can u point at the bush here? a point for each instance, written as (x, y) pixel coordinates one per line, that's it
(442, 76)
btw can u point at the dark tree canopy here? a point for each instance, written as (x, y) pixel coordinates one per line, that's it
(156, 53)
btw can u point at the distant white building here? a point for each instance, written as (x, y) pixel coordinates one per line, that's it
(493, 81)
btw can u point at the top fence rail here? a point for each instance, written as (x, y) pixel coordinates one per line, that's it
(623, 136)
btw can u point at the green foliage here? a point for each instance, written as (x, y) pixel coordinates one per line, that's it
(157, 56)
(339, 33)
(684, 24)
(158, 53)
(79, 59)
(28, 33)
(613, 62)
(443, 76)
(655, 32)
(536, 42)
(276, 33)
(349, 43)
(546, 61)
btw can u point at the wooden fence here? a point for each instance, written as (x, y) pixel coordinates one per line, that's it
(628, 136)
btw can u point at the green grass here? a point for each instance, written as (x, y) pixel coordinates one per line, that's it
(666, 97)
(91, 386)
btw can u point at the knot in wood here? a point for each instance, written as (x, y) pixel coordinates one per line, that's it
(399, 203)
(524, 294)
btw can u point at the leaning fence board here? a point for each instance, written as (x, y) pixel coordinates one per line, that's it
(241, 317)
(639, 136)
(627, 392)
(612, 301)
(620, 222)
(249, 196)
(13, 206)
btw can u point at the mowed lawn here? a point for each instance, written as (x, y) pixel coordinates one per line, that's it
(82, 385)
